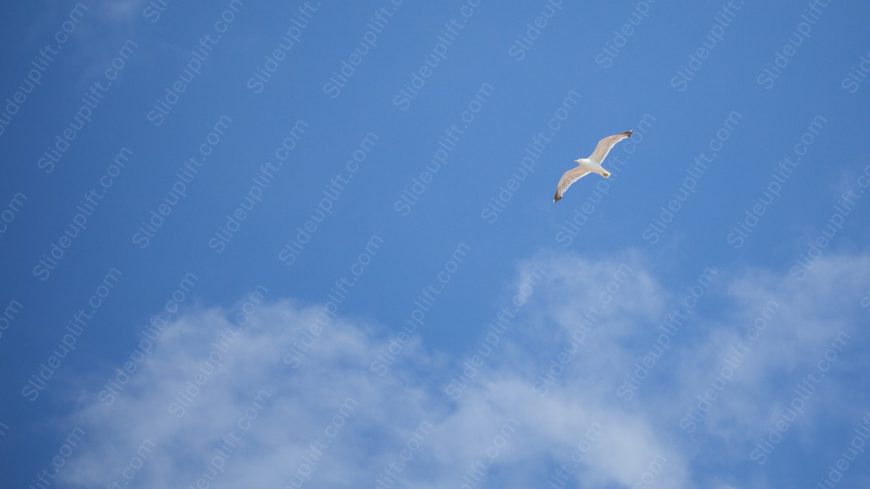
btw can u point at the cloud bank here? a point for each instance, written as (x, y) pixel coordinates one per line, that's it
(595, 374)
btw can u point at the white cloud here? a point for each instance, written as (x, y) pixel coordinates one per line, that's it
(583, 326)
(120, 9)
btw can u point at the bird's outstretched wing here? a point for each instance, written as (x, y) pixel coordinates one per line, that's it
(567, 179)
(605, 145)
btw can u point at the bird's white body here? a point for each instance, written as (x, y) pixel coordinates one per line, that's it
(592, 167)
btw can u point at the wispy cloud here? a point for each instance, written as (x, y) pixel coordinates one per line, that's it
(251, 421)
(121, 9)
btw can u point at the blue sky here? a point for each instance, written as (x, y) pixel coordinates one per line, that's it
(292, 244)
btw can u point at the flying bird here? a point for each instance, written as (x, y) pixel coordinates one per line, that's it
(592, 164)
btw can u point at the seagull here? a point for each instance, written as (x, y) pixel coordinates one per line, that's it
(592, 164)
